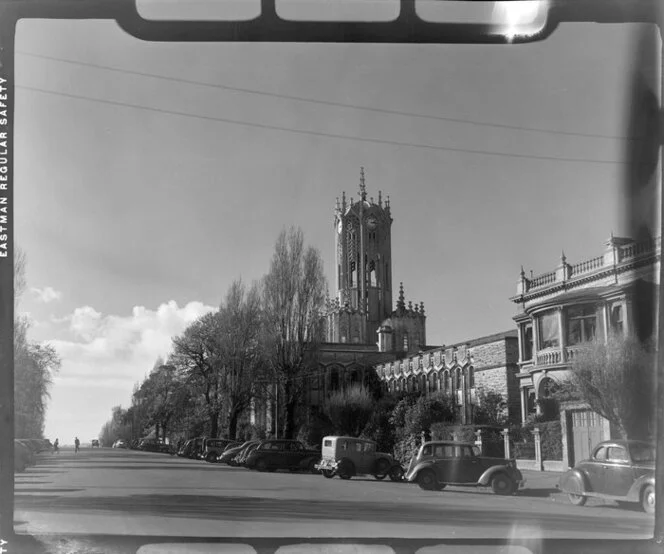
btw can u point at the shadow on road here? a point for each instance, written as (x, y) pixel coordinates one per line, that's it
(240, 508)
(538, 493)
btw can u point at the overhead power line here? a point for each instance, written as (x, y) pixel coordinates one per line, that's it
(330, 103)
(319, 133)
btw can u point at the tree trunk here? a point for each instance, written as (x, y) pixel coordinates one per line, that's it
(214, 424)
(232, 424)
(289, 419)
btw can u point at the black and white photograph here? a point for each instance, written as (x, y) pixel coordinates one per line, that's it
(331, 276)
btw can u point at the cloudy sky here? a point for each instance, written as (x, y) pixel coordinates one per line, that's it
(149, 176)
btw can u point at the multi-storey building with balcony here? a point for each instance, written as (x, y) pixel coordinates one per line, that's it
(560, 310)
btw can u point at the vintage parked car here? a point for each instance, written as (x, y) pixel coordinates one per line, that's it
(350, 456)
(621, 470)
(119, 444)
(242, 456)
(229, 455)
(213, 447)
(441, 463)
(94, 443)
(271, 455)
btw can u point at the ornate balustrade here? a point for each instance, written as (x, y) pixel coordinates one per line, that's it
(549, 357)
(587, 266)
(543, 280)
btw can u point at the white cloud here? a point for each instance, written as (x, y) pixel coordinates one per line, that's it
(116, 346)
(112, 352)
(47, 294)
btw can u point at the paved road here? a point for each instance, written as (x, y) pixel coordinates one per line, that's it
(121, 492)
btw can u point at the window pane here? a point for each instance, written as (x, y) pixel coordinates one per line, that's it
(617, 454)
(590, 324)
(574, 331)
(549, 330)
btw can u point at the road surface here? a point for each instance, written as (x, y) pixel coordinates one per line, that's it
(124, 493)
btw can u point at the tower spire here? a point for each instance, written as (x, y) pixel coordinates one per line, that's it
(401, 303)
(363, 188)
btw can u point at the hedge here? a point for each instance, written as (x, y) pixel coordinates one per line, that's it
(551, 441)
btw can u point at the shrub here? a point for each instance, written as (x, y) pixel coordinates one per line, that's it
(405, 448)
(380, 428)
(350, 410)
(491, 409)
(311, 434)
(551, 439)
(411, 418)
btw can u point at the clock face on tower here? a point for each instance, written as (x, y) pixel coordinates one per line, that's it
(372, 222)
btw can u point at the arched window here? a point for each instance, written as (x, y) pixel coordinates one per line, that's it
(372, 273)
(446, 381)
(470, 378)
(405, 341)
(334, 379)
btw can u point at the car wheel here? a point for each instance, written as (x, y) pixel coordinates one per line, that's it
(427, 480)
(380, 477)
(210, 457)
(574, 489)
(396, 473)
(261, 465)
(345, 469)
(648, 500)
(327, 473)
(382, 467)
(502, 484)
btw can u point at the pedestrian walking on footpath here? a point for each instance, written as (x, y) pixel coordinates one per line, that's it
(56, 447)
(77, 443)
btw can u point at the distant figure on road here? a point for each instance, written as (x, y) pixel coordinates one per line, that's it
(56, 447)
(77, 443)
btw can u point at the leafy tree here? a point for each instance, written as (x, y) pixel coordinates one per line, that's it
(293, 298)
(379, 428)
(116, 428)
(164, 395)
(196, 355)
(239, 349)
(490, 409)
(34, 366)
(426, 411)
(618, 381)
(350, 409)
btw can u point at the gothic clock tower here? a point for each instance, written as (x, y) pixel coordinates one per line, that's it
(364, 266)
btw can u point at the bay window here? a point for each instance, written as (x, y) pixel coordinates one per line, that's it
(581, 324)
(549, 330)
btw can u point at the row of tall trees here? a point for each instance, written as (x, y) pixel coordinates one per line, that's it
(34, 366)
(261, 341)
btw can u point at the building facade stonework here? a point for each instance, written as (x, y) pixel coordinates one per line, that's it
(559, 311)
(461, 370)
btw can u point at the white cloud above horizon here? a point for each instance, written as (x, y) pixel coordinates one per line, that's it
(46, 294)
(107, 354)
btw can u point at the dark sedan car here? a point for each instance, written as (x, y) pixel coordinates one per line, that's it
(228, 456)
(275, 454)
(212, 448)
(442, 463)
(616, 470)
